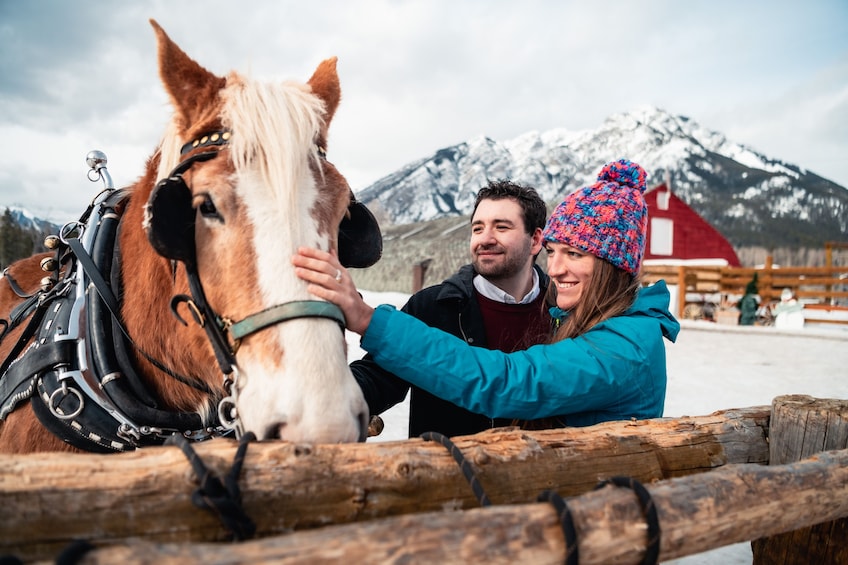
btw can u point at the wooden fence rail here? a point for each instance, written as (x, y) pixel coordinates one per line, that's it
(48, 500)
(697, 513)
(406, 501)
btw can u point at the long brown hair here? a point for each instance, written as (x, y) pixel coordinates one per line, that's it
(610, 291)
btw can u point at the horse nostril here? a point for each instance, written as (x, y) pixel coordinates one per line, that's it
(274, 431)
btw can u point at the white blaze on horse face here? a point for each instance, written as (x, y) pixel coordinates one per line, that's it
(305, 391)
(294, 382)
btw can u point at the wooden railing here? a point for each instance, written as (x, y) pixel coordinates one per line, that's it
(818, 288)
(713, 480)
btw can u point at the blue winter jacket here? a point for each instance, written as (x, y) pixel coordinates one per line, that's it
(615, 371)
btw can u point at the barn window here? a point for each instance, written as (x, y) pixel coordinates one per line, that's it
(662, 236)
(662, 199)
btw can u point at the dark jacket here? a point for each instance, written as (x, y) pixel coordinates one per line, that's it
(451, 306)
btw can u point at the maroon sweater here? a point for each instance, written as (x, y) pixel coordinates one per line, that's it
(512, 327)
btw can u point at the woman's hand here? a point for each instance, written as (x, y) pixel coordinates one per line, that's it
(329, 280)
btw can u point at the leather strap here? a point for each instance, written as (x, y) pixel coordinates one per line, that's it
(285, 312)
(95, 276)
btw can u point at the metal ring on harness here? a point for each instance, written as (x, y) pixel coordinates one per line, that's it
(54, 406)
(228, 414)
(67, 232)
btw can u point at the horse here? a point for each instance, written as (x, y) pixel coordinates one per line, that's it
(171, 307)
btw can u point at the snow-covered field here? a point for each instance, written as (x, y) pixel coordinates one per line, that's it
(714, 367)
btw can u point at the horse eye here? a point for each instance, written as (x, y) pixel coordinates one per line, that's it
(208, 210)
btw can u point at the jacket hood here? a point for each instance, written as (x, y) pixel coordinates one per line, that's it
(653, 301)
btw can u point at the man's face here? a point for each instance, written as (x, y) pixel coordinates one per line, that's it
(500, 246)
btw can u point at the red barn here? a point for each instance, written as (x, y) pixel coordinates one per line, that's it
(678, 235)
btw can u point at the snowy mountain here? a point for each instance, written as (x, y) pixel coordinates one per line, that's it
(752, 199)
(21, 234)
(27, 221)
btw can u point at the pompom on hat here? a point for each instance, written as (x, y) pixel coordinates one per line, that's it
(608, 219)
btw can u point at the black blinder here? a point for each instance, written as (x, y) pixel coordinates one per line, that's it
(170, 227)
(171, 218)
(360, 239)
(170, 215)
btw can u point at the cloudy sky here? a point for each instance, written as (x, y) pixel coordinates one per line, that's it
(418, 75)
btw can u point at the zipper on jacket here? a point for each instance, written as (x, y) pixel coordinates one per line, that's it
(462, 329)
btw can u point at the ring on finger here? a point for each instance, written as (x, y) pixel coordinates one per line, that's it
(338, 276)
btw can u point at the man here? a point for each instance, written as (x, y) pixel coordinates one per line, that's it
(497, 302)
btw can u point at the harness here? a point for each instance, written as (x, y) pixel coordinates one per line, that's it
(72, 360)
(75, 370)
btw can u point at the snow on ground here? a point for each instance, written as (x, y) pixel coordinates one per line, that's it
(714, 367)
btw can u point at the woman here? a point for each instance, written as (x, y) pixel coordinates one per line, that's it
(606, 359)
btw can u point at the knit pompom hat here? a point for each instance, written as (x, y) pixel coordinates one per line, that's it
(608, 219)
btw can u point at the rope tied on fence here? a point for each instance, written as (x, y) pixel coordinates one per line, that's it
(464, 465)
(652, 550)
(566, 523)
(222, 499)
(566, 520)
(649, 509)
(74, 552)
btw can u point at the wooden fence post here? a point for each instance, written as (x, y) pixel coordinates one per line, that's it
(766, 282)
(419, 273)
(800, 427)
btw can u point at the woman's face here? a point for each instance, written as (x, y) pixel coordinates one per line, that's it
(570, 270)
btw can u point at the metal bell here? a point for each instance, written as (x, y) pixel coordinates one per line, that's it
(48, 264)
(52, 241)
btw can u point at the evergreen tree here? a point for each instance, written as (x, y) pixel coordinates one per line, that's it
(15, 241)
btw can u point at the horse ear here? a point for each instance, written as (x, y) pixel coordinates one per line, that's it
(360, 239)
(325, 85)
(192, 88)
(169, 220)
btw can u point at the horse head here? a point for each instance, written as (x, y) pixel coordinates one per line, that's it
(239, 181)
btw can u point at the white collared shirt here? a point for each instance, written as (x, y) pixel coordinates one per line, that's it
(492, 292)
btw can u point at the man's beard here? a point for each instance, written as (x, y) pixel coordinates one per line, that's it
(506, 266)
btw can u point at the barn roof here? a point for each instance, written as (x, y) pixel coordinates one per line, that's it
(679, 235)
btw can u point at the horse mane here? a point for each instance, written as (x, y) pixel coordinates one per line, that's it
(272, 125)
(233, 222)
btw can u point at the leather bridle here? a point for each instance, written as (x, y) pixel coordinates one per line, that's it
(219, 329)
(73, 360)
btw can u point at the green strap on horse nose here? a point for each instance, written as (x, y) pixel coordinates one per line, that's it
(285, 312)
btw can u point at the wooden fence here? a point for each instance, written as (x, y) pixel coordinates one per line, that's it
(820, 289)
(747, 474)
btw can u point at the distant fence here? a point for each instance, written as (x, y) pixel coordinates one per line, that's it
(820, 289)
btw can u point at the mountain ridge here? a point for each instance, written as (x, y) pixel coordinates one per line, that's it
(749, 197)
